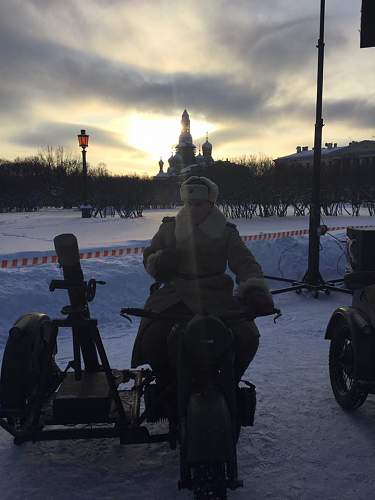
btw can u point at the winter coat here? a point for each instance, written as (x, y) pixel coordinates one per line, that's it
(204, 253)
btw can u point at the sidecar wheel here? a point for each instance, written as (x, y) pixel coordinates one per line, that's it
(341, 369)
(209, 481)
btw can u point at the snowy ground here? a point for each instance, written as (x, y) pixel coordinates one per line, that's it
(24, 234)
(303, 445)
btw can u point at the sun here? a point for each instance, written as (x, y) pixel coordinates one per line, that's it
(157, 135)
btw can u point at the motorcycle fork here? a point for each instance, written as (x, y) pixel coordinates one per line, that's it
(224, 380)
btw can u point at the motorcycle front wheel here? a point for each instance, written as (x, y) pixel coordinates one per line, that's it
(341, 368)
(209, 481)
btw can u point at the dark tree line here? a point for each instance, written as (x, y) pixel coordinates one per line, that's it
(53, 179)
(252, 186)
(248, 186)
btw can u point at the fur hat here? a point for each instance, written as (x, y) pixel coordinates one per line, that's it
(199, 188)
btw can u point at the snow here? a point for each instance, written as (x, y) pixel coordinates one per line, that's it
(303, 446)
(25, 234)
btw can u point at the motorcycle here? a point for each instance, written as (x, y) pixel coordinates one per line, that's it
(203, 405)
(209, 408)
(351, 329)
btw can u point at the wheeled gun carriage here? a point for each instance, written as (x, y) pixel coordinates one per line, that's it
(36, 395)
(203, 405)
(351, 329)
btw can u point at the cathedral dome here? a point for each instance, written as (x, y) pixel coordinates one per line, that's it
(207, 148)
(178, 159)
(200, 160)
(171, 160)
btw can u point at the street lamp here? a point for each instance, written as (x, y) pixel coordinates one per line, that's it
(83, 141)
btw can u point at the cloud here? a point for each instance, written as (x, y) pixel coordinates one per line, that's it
(54, 133)
(50, 71)
(273, 38)
(352, 112)
(248, 66)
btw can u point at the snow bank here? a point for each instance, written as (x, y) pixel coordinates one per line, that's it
(127, 284)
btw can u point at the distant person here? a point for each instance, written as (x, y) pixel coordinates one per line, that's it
(189, 255)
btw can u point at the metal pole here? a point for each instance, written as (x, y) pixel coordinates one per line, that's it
(312, 279)
(86, 208)
(84, 172)
(312, 275)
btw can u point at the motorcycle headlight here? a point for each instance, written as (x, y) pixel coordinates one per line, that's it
(206, 341)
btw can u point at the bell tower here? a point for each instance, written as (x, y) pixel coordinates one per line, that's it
(185, 145)
(185, 123)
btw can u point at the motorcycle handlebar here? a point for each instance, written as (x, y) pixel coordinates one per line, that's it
(143, 313)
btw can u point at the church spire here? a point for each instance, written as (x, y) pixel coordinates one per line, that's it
(207, 147)
(185, 146)
(185, 122)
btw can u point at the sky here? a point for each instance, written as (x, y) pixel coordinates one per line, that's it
(124, 70)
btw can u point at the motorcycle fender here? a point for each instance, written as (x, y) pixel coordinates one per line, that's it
(209, 429)
(363, 339)
(357, 322)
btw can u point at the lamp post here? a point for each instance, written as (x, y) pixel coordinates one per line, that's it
(83, 141)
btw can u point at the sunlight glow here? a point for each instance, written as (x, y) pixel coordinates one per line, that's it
(157, 135)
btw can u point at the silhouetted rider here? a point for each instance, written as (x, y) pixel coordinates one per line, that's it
(189, 254)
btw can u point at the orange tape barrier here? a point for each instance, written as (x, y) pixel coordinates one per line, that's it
(119, 252)
(52, 259)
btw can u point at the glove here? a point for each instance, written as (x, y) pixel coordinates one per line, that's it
(166, 264)
(258, 301)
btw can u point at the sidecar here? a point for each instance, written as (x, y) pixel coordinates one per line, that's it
(351, 329)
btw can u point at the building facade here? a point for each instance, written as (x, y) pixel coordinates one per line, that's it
(355, 153)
